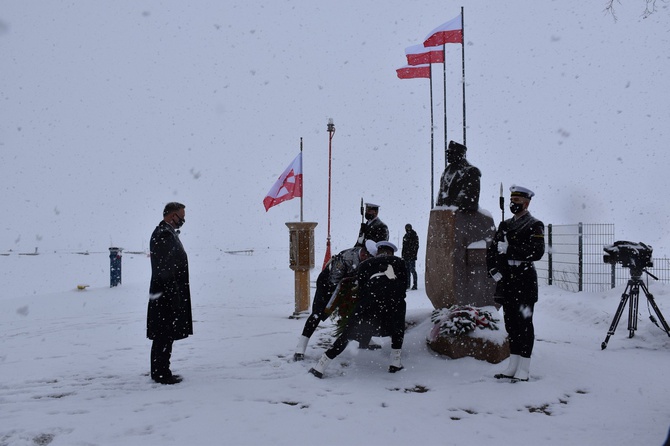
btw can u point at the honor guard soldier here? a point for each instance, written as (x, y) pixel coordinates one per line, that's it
(340, 269)
(518, 242)
(380, 308)
(373, 229)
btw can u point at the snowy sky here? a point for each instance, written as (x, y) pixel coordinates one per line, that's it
(111, 109)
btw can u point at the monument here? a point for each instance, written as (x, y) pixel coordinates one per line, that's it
(459, 232)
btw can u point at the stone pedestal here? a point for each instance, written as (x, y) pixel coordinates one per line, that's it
(301, 260)
(456, 258)
(460, 346)
(456, 275)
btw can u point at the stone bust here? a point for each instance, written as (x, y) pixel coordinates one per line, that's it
(460, 182)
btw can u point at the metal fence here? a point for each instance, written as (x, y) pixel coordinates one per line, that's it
(573, 259)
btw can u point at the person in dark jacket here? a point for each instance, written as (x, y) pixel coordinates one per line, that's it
(169, 311)
(410, 249)
(341, 268)
(380, 309)
(518, 242)
(373, 229)
(460, 181)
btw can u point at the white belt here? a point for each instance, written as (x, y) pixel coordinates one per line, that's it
(515, 262)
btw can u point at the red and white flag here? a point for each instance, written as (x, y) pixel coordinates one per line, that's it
(414, 72)
(450, 32)
(419, 54)
(289, 185)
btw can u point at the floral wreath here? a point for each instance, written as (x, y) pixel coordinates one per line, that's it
(459, 320)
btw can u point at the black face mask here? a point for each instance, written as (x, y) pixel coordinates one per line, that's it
(369, 215)
(515, 208)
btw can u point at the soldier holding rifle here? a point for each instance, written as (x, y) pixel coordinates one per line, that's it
(518, 242)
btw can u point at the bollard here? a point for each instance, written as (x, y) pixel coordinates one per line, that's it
(114, 266)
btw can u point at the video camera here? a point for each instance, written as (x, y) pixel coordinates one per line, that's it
(632, 255)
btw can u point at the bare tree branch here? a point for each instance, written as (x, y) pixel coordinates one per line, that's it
(649, 8)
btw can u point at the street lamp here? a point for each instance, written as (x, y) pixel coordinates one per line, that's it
(331, 133)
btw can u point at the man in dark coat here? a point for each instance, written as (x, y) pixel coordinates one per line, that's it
(373, 229)
(380, 309)
(341, 268)
(169, 312)
(410, 249)
(518, 242)
(460, 182)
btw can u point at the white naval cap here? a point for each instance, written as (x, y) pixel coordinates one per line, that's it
(520, 191)
(371, 246)
(386, 244)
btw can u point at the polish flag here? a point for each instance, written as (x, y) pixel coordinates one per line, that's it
(289, 185)
(450, 32)
(419, 55)
(414, 72)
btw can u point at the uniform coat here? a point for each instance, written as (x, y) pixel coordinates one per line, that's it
(169, 311)
(380, 309)
(382, 283)
(526, 245)
(340, 266)
(375, 230)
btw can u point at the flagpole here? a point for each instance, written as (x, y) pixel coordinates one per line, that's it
(432, 142)
(444, 68)
(463, 63)
(303, 183)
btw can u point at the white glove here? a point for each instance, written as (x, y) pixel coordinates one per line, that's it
(495, 275)
(502, 247)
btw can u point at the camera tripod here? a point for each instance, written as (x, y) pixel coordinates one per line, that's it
(634, 285)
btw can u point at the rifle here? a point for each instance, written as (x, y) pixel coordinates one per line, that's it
(361, 231)
(502, 202)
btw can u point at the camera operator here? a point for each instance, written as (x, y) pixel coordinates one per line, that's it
(518, 242)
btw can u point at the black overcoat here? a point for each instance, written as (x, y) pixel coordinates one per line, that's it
(410, 245)
(381, 306)
(169, 313)
(526, 245)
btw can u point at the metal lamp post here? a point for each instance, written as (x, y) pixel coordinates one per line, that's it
(331, 133)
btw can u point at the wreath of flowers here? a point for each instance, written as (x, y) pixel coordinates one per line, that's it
(459, 320)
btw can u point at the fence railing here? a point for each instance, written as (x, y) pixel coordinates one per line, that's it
(573, 259)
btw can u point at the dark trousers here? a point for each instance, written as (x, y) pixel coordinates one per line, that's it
(321, 298)
(519, 326)
(411, 272)
(161, 351)
(363, 331)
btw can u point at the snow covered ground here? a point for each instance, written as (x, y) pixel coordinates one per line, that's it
(74, 364)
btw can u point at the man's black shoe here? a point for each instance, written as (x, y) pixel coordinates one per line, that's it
(316, 373)
(170, 379)
(501, 376)
(370, 346)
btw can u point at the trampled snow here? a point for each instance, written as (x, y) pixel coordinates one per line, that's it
(74, 367)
